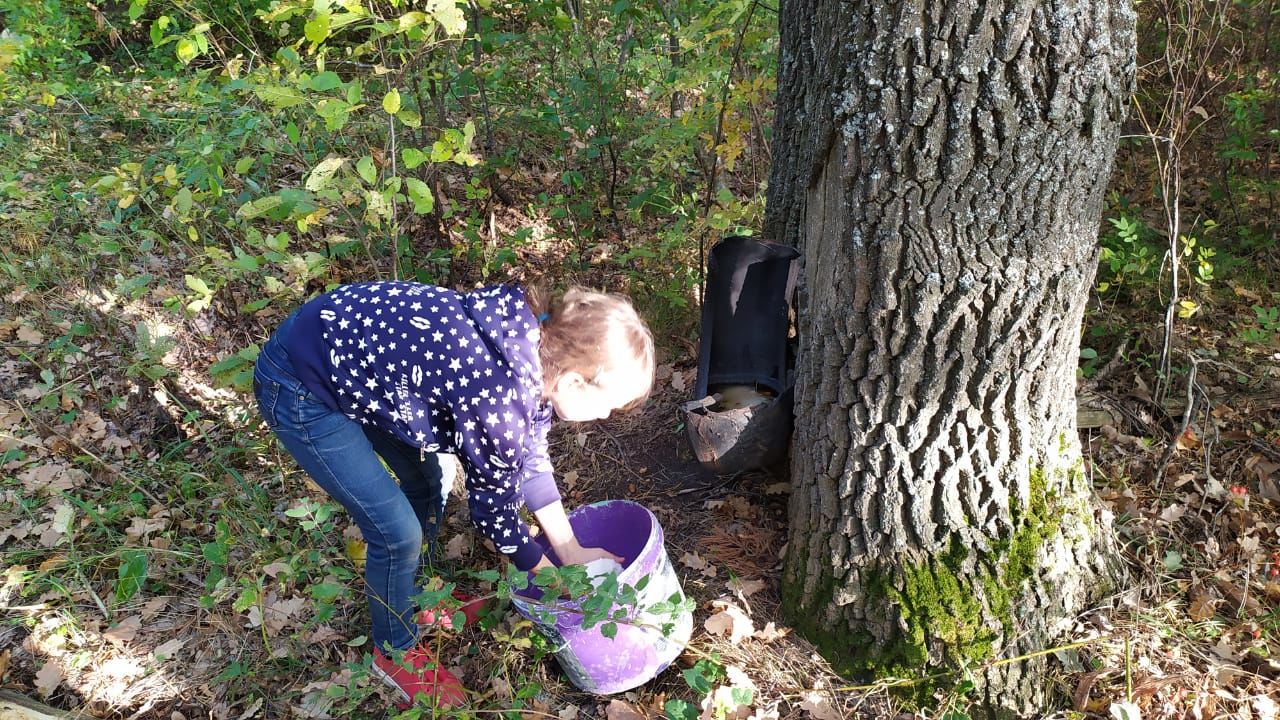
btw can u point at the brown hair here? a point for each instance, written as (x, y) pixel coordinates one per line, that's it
(576, 331)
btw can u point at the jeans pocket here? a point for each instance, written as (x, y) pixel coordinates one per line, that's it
(309, 408)
(268, 395)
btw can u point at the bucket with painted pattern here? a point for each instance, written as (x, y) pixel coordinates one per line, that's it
(639, 651)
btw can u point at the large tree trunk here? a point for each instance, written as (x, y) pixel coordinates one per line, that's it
(941, 164)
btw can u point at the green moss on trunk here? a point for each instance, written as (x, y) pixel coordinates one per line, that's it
(955, 605)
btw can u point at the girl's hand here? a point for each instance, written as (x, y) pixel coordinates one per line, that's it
(573, 553)
(555, 524)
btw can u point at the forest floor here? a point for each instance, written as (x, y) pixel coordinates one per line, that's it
(185, 472)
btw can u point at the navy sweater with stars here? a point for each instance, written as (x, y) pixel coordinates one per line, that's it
(444, 372)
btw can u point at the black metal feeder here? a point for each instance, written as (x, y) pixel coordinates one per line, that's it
(741, 419)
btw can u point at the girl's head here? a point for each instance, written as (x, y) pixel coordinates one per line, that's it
(596, 352)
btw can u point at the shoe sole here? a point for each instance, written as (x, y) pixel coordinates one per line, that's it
(389, 682)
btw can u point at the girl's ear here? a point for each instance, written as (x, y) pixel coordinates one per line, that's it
(571, 380)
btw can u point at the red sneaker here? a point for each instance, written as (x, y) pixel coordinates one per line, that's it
(472, 609)
(419, 673)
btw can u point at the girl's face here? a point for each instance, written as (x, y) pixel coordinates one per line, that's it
(578, 399)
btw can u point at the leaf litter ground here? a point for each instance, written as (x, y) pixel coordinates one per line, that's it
(100, 461)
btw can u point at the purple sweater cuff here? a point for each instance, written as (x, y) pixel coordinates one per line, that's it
(539, 490)
(527, 556)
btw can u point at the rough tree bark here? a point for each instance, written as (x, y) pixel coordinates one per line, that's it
(941, 164)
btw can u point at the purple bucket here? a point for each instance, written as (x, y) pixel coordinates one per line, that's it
(639, 651)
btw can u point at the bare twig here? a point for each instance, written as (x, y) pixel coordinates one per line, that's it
(1187, 413)
(714, 168)
(495, 187)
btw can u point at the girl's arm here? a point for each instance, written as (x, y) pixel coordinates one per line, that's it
(555, 524)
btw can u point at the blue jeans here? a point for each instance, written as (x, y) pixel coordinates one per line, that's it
(343, 457)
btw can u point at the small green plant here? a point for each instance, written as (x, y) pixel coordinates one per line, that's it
(132, 574)
(1268, 318)
(701, 678)
(1089, 363)
(1265, 326)
(1130, 257)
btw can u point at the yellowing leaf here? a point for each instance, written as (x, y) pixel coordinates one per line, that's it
(356, 551)
(317, 29)
(449, 15)
(279, 95)
(323, 173)
(186, 50)
(411, 19)
(391, 102)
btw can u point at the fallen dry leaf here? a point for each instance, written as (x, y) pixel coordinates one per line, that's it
(770, 632)
(694, 561)
(568, 713)
(252, 710)
(458, 547)
(58, 529)
(124, 631)
(819, 707)
(501, 687)
(168, 649)
(677, 381)
(274, 613)
(731, 620)
(1265, 472)
(1125, 711)
(1235, 597)
(48, 678)
(778, 488)
(30, 335)
(153, 607)
(1265, 707)
(1188, 440)
(1082, 700)
(1203, 605)
(275, 568)
(50, 477)
(745, 588)
(619, 710)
